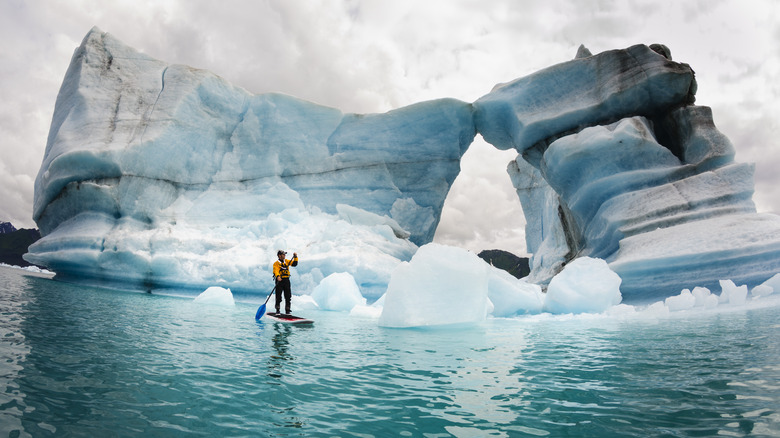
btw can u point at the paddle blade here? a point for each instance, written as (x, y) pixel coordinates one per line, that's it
(260, 312)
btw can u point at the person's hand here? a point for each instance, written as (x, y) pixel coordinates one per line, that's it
(278, 278)
(295, 254)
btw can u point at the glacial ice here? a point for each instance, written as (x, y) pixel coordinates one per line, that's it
(586, 91)
(440, 285)
(586, 285)
(339, 292)
(664, 219)
(443, 285)
(162, 176)
(434, 290)
(216, 296)
(767, 288)
(159, 176)
(511, 296)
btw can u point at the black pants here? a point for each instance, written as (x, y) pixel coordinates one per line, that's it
(283, 286)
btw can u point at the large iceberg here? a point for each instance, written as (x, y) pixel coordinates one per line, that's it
(163, 176)
(160, 175)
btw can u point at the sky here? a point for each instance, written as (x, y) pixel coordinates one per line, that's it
(374, 56)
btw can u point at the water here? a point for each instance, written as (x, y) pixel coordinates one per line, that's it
(79, 361)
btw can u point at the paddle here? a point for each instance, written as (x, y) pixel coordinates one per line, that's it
(261, 309)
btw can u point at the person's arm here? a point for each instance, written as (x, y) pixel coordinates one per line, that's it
(294, 261)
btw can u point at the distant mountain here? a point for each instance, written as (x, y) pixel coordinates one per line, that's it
(517, 266)
(6, 227)
(15, 243)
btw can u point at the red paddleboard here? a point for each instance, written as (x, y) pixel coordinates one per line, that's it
(287, 318)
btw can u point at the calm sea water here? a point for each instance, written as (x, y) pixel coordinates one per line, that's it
(78, 361)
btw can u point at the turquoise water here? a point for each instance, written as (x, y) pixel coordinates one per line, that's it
(80, 361)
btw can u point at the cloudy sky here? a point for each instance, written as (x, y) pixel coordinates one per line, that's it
(373, 56)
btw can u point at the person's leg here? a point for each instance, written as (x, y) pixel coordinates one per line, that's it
(287, 296)
(278, 296)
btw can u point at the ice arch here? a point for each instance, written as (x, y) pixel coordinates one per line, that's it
(159, 175)
(482, 210)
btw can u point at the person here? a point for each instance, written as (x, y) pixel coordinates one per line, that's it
(282, 278)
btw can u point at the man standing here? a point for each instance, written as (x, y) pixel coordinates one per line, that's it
(282, 277)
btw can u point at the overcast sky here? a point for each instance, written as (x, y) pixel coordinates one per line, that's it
(374, 56)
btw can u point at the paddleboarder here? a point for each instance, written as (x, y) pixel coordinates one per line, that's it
(282, 277)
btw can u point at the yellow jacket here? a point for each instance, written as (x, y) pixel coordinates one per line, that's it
(282, 268)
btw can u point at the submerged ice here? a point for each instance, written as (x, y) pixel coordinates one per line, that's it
(160, 176)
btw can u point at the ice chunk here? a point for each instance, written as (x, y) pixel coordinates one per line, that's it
(511, 296)
(762, 290)
(216, 296)
(363, 311)
(732, 294)
(586, 285)
(773, 284)
(304, 302)
(339, 292)
(441, 285)
(704, 298)
(684, 301)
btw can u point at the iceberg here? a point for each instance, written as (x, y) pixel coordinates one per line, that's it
(159, 176)
(631, 172)
(216, 296)
(586, 285)
(440, 285)
(338, 292)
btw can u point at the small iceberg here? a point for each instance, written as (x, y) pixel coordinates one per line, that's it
(216, 296)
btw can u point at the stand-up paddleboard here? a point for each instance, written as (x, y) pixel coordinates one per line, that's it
(287, 318)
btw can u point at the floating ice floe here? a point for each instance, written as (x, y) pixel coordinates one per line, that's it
(216, 296)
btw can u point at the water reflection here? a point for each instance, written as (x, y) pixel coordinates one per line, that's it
(280, 341)
(281, 356)
(280, 364)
